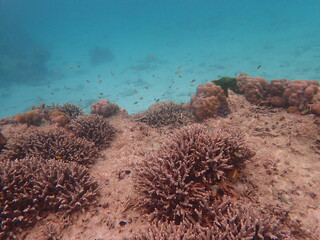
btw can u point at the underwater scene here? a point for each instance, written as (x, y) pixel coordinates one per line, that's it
(159, 120)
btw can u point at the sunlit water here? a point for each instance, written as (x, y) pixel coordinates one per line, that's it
(135, 52)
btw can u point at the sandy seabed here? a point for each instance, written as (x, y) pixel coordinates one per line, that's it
(283, 178)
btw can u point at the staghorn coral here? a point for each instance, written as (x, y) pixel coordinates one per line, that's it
(31, 186)
(55, 143)
(94, 128)
(228, 221)
(104, 108)
(254, 88)
(164, 114)
(207, 99)
(174, 181)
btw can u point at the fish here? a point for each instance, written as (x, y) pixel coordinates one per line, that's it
(141, 98)
(99, 76)
(150, 56)
(177, 72)
(78, 66)
(146, 87)
(112, 74)
(99, 81)
(135, 102)
(180, 76)
(87, 81)
(52, 93)
(157, 100)
(57, 157)
(69, 68)
(135, 91)
(193, 80)
(259, 67)
(101, 93)
(180, 66)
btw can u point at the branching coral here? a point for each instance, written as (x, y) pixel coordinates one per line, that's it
(48, 144)
(30, 186)
(228, 221)
(104, 108)
(207, 100)
(94, 128)
(175, 180)
(164, 114)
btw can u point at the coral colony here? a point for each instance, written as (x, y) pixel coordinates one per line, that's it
(184, 186)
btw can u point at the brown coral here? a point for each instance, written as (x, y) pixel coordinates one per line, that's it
(55, 143)
(31, 117)
(254, 88)
(207, 100)
(94, 128)
(33, 185)
(276, 90)
(3, 141)
(164, 114)
(58, 118)
(104, 108)
(175, 180)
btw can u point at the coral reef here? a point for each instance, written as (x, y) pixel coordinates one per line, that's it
(31, 117)
(164, 114)
(207, 99)
(55, 143)
(100, 55)
(104, 108)
(254, 88)
(228, 221)
(94, 128)
(297, 95)
(31, 186)
(175, 181)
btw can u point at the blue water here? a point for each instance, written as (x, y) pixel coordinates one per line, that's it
(135, 51)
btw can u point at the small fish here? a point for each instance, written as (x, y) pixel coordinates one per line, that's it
(80, 100)
(135, 102)
(101, 93)
(157, 100)
(99, 76)
(180, 76)
(141, 98)
(112, 74)
(99, 81)
(135, 91)
(69, 68)
(234, 174)
(177, 72)
(150, 56)
(87, 81)
(146, 87)
(55, 71)
(180, 66)
(52, 93)
(78, 66)
(259, 67)
(57, 157)
(193, 80)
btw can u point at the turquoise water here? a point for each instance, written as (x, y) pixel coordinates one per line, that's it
(134, 52)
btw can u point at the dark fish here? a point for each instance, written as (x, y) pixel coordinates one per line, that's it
(99, 76)
(78, 66)
(146, 87)
(180, 76)
(141, 98)
(135, 102)
(100, 81)
(101, 93)
(87, 81)
(157, 100)
(223, 109)
(112, 74)
(193, 80)
(52, 93)
(259, 67)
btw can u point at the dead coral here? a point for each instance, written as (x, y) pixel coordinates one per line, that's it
(207, 100)
(104, 108)
(32, 186)
(164, 114)
(175, 181)
(94, 128)
(55, 143)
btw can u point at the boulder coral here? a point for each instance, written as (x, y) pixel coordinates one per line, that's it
(207, 100)
(104, 108)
